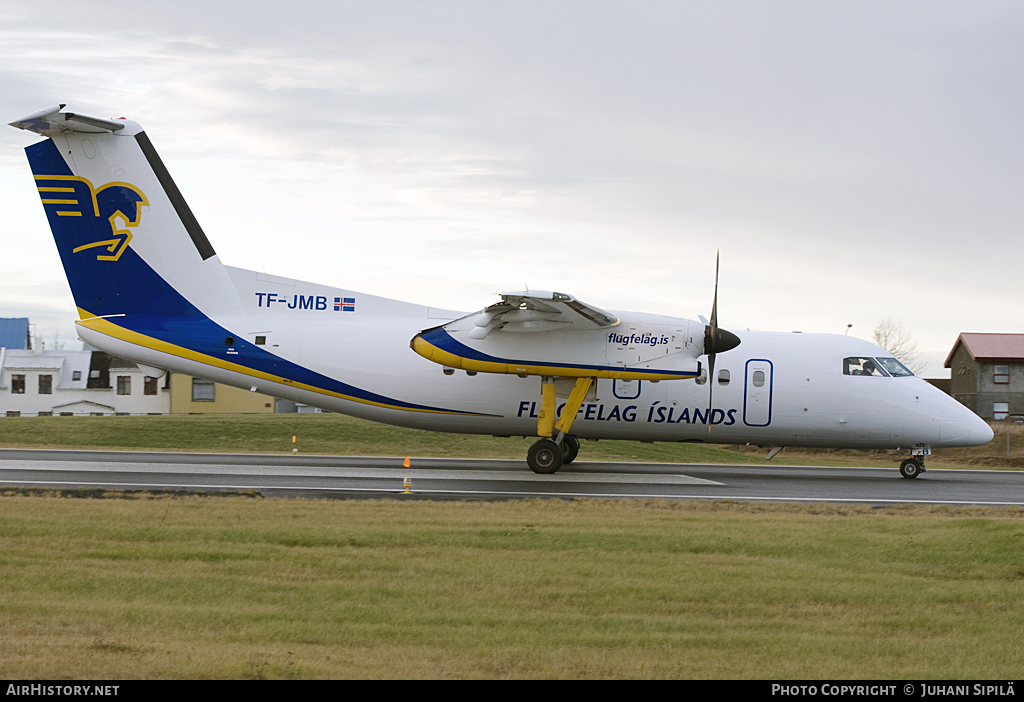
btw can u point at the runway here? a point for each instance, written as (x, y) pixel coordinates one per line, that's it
(349, 477)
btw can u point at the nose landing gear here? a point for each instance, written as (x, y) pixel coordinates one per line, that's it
(912, 467)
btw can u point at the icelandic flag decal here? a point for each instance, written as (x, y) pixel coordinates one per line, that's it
(347, 304)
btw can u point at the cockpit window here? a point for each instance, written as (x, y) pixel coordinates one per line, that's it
(862, 366)
(894, 367)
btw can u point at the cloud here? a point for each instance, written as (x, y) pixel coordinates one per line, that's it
(851, 162)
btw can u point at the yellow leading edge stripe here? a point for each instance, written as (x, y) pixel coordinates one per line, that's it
(104, 326)
(445, 358)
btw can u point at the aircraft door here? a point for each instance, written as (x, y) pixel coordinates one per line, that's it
(757, 397)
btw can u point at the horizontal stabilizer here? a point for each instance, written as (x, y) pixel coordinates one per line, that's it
(51, 122)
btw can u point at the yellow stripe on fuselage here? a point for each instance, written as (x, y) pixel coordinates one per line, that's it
(105, 326)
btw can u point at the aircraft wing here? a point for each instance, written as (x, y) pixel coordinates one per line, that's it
(539, 311)
(554, 334)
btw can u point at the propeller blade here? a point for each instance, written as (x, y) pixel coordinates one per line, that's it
(711, 386)
(714, 303)
(709, 343)
(716, 341)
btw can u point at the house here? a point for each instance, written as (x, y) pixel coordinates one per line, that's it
(987, 373)
(92, 382)
(197, 396)
(69, 383)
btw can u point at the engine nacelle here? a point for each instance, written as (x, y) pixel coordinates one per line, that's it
(540, 342)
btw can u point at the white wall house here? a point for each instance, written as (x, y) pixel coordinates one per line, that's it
(40, 383)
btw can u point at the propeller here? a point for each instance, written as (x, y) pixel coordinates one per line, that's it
(716, 341)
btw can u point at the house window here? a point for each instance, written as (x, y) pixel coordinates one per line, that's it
(46, 385)
(76, 375)
(124, 385)
(1001, 374)
(1000, 410)
(202, 390)
(17, 384)
(149, 386)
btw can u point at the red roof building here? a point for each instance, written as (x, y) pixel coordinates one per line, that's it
(987, 373)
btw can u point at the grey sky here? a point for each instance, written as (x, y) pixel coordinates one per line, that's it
(851, 161)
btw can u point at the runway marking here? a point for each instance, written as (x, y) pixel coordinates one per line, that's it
(390, 491)
(395, 473)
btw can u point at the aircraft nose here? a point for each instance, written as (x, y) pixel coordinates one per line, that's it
(978, 430)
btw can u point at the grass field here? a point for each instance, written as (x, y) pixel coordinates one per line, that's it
(335, 434)
(236, 587)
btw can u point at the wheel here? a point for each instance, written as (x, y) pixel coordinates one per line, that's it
(570, 449)
(545, 456)
(910, 468)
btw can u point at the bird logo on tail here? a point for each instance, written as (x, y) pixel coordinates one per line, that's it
(102, 218)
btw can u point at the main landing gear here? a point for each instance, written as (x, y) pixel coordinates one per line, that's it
(570, 448)
(912, 467)
(555, 450)
(546, 456)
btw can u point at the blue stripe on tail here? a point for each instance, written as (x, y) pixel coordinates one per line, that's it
(92, 229)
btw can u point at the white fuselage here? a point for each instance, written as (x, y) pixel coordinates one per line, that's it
(804, 398)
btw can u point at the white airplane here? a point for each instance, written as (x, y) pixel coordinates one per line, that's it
(149, 287)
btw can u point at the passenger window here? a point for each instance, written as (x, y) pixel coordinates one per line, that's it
(862, 366)
(702, 378)
(758, 379)
(723, 377)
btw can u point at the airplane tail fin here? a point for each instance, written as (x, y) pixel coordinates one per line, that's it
(129, 243)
